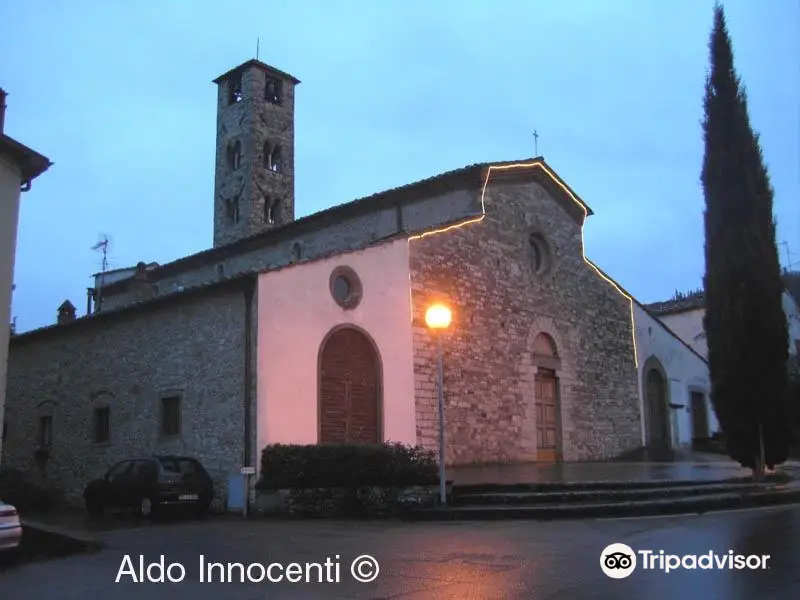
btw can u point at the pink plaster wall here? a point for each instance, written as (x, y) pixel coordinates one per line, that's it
(296, 311)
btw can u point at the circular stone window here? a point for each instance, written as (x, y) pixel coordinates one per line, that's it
(345, 287)
(539, 253)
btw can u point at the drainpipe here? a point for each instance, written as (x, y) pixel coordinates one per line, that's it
(249, 322)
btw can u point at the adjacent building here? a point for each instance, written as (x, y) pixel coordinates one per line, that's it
(19, 166)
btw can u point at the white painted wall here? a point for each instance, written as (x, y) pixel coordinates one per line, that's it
(688, 326)
(792, 321)
(296, 312)
(10, 179)
(686, 371)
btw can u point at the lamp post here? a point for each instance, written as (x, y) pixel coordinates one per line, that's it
(438, 318)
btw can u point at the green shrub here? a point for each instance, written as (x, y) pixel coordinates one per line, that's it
(345, 465)
(20, 491)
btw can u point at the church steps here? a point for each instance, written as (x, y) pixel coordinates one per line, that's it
(696, 502)
(602, 494)
(500, 488)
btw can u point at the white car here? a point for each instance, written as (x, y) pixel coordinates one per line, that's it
(10, 527)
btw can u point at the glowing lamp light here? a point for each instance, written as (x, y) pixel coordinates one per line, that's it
(438, 317)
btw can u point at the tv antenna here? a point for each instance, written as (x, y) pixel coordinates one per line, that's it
(102, 246)
(789, 262)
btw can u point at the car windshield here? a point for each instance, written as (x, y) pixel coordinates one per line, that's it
(180, 466)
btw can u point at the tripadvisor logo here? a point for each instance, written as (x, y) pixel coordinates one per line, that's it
(618, 561)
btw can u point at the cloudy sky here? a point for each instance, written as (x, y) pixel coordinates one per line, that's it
(119, 96)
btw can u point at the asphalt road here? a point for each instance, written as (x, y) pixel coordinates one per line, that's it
(433, 561)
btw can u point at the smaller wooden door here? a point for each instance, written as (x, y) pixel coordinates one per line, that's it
(699, 416)
(548, 430)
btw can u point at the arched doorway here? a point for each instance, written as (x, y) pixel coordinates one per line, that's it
(548, 412)
(657, 434)
(349, 389)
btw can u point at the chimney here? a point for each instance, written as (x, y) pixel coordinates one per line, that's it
(66, 313)
(2, 109)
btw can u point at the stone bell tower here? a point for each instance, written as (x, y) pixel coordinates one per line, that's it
(254, 178)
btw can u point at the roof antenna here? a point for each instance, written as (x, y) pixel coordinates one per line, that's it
(258, 43)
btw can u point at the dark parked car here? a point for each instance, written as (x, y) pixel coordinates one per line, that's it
(151, 484)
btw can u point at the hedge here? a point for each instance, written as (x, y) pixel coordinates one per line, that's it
(346, 465)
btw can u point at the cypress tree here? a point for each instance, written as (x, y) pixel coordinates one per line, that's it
(744, 321)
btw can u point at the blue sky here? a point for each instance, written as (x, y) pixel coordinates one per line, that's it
(119, 96)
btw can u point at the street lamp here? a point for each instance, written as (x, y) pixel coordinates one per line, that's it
(438, 318)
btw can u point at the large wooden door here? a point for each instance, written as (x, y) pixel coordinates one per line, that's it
(349, 389)
(548, 427)
(699, 416)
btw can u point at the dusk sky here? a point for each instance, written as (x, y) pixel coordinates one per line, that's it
(119, 96)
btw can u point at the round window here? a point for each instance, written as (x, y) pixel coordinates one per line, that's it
(345, 287)
(341, 289)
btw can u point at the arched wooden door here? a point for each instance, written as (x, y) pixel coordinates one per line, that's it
(349, 389)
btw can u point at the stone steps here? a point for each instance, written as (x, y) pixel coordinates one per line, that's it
(489, 488)
(607, 501)
(501, 498)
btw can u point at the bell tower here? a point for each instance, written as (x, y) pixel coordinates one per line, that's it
(254, 177)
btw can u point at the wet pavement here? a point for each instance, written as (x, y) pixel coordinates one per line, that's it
(436, 561)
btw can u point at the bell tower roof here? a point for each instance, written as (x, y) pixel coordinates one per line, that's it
(260, 65)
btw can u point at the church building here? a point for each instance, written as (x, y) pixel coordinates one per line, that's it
(312, 330)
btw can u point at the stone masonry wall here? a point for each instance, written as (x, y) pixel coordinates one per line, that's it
(484, 271)
(128, 362)
(347, 235)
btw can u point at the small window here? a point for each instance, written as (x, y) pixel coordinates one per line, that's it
(273, 90)
(45, 431)
(232, 210)
(297, 251)
(235, 89)
(170, 416)
(234, 155)
(539, 253)
(102, 423)
(273, 157)
(271, 206)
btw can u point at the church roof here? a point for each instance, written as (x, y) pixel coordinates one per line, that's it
(695, 301)
(469, 177)
(677, 305)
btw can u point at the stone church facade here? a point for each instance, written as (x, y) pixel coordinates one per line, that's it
(306, 330)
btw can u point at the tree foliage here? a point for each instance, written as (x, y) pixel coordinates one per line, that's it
(744, 320)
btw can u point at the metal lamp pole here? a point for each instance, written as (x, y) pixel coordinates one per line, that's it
(440, 401)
